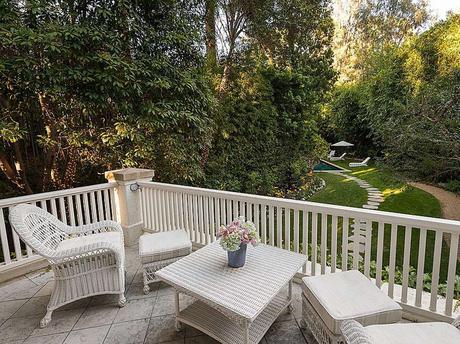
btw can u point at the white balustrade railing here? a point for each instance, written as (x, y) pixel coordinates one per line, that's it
(323, 233)
(75, 207)
(395, 250)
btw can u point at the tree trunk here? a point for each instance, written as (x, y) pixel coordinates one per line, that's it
(50, 149)
(210, 30)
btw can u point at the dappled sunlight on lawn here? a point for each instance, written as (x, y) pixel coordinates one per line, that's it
(394, 191)
(361, 172)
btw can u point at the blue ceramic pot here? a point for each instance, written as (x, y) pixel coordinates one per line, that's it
(236, 259)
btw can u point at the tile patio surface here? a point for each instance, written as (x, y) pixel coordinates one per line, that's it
(96, 320)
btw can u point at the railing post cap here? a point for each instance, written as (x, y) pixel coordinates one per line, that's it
(128, 174)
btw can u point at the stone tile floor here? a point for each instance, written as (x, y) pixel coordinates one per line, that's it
(144, 319)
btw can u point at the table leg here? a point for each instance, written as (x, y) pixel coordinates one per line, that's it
(176, 301)
(246, 332)
(290, 296)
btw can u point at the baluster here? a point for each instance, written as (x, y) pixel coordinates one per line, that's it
(100, 206)
(271, 214)
(323, 242)
(263, 218)
(305, 237)
(406, 263)
(287, 229)
(196, 226)
(334, 244)
(296, 230)
(71, 210)
(451, 272)
(314, 242)
(393, 248)
(435, 273)
(257, 222)
(379, 263)
(92, 204)
(345, 228)
(367, 248)
(87, 219)
(205, 224)
(420, 267)
(356, 243)
(212, 221)
(229, 211)
(4, 239)
(62, 211)
(106, 204)
(113, 208)
(279, 227)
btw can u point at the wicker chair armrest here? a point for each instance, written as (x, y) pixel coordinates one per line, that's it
(83, 252)
(354, 332)
(98, 227)
(456, 322)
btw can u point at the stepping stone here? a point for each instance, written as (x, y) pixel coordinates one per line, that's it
(373, 203)
(378, 194)
(367, 206)
(375, 199)
(373, 189)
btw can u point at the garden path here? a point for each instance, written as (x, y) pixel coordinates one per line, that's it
(450, 204)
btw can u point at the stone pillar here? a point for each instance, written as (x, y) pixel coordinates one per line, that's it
(128, 200)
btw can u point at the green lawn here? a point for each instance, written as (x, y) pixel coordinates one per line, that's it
(398, 197)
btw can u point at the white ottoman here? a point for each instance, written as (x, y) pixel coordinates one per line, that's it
(158, 250)
(327, 300)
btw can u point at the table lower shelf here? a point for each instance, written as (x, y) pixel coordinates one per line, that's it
(218, 326)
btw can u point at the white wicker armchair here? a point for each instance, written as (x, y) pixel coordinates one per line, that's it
(421, 333)
(86, 260)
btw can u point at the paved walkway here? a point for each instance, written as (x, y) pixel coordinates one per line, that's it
(374, 198)
(147, 319)
(450, 204)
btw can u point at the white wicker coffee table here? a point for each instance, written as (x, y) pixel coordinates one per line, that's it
(234, 306)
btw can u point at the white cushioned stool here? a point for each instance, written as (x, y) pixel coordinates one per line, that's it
(158, 250)
(327, 300)
(419, 333)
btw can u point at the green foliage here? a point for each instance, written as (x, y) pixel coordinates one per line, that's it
(453, 186)
(266, 139)
(406, 104)
(103, 84)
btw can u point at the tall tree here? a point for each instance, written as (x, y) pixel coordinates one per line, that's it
(363, 26)
(87, 86)
(210, 35)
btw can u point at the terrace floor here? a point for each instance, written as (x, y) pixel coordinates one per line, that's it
(95, 320)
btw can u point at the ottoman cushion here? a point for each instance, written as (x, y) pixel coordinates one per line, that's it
(422, 333)
(349, 295)
(164, 245)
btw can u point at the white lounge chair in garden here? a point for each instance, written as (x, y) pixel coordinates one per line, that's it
(407, 333)
(360, 164)
(336, 158)
(86, 260)
(331, 154)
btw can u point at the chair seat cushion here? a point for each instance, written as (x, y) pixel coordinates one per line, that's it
(164, 245)
(75, 243)
(349, 295)
(421, 333)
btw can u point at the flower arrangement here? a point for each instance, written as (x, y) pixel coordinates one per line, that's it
(236, 233)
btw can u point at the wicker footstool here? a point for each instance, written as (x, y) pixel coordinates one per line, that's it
(159, 250)
(328, 300)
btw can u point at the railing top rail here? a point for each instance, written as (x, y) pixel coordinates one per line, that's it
(8, 202)
(382, 216)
